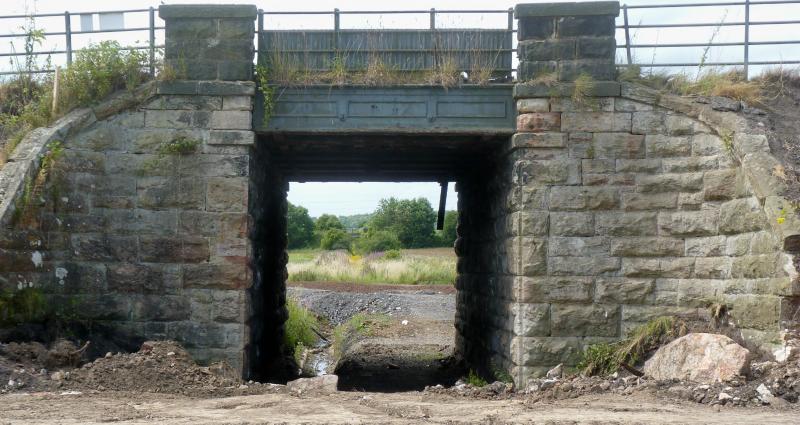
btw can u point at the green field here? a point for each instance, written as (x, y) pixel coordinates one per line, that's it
(429, 266)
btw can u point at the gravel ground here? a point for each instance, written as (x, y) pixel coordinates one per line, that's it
(338, 307)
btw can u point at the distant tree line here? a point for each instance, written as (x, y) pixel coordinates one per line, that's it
(395, 224)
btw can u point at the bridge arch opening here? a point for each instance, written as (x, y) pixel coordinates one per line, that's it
(472, 162)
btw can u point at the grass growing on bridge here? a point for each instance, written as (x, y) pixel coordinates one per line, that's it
(425, 266)
(299, 328)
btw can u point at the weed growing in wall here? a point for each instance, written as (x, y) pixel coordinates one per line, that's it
(176, 147)
(299, 328)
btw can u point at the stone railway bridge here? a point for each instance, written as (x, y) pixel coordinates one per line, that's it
(578, 220)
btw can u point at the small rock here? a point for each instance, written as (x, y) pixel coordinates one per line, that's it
(171, 353)
(324, 384)
(404, 322)
(547, 383)
(109, 355)
(764, 394)
(556, 372)
(724, 397)
(57, 376)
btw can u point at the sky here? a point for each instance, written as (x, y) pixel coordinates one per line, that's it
(356, 198)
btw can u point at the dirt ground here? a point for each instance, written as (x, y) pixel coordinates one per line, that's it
(368, 408)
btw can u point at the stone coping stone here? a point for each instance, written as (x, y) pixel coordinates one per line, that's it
(210, 11)
(599, 89)
(588, 8)
(209, 88)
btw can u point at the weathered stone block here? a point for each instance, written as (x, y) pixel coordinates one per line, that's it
(626, 224)
(667, 146)
(185, 102)
(740, 216)
(596, 47)
(530, 70)
(571, 224)
(535, 28)
(647, 247)
(236, 28)
(679, 125)
(712, 267)
(231, 120)
(634, 201)
(556, 171)
(191, 29)
(744, 143)
(627, 105)
(539, 140)
(231, 137)
(556, 289)
(683, 182)
(539, 121)
(596, 8)
(721, 185)
(757, 266)
(754, 311)
(216, 276)
(141, 278)
(658, 267)
(618, 145)
(597, 69)
(711, 246)
(596, 104)
(583, 198)
(707, 144)
(166, 192)
(576, 26)
(578, 247)
(533, 105)
(689, 223)
(613, 290)
(104, 248)
(647, 122)
(237, 103)
(184, 249)
(227, 194)
(550, 49)
(582, 266)
(177, 119)
(227, 306)
(598, 166)
(690, 164)
(163, 308)
(583, 320)
(596, 121)
(546, 350)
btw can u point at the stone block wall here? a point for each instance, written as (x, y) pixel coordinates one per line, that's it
(628, 210)
(567, 40)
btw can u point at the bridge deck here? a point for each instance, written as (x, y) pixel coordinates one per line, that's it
(408, 109)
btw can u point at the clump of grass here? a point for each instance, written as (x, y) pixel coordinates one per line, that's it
(475, 380)
(605, 358)
(711, 82)
(25, 305)
(361, 324)
(378, 73)
(299, 328)
(582, 92)
(446, 73)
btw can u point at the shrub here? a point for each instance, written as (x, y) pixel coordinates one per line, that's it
(392, 254)
(335, 239)
(475, 380)
(299, 327)
(377, 241)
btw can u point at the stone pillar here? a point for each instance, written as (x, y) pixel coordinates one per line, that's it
(567, 39)
(210, 42)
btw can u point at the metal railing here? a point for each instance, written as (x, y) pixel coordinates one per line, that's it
(745, 43)
(68, 34)
(336, 14)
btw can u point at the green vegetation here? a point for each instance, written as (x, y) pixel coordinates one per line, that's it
(299, 328)
(605, 358)
(299, 226)
(334, 239)
(361, 324)
(475, 380)
(339, 266)
(376, 241)
(412, 220)
(26, 305)
(27, 100)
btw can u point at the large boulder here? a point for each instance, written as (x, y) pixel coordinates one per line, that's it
(699, 357)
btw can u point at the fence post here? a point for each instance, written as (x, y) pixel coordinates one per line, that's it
(627, 34)
(152, 41)
(68, 34)
(259, 36)
(747, 39)
(336, 30)
(433, 18)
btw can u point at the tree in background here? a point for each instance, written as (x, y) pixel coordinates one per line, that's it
(376, 241)
(335, 239)
(448, 234)
(327, 222)
(412, 220)
(299, 227)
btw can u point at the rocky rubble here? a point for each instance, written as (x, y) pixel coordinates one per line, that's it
(159, 366)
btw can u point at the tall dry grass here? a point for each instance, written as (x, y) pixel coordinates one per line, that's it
(340, 266)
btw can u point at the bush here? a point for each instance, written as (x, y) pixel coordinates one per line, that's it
(299, 227)
(412, 220)
(335, 239)
(299, 327)
(392, 254)
(377, 241)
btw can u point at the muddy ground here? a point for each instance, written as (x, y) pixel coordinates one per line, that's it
(410, 345)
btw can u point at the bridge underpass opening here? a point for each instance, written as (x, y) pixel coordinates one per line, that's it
(469, 161)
